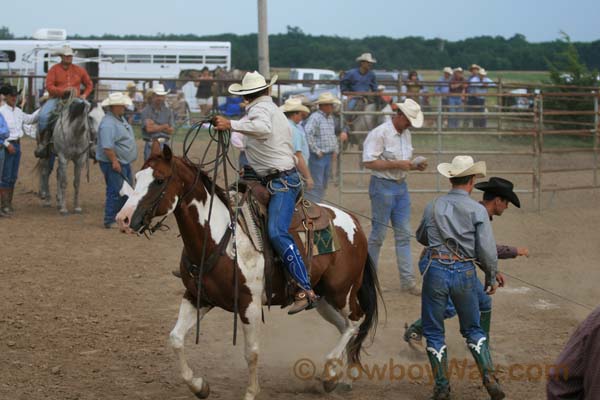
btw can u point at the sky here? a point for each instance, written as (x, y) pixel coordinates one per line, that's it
(453, 20)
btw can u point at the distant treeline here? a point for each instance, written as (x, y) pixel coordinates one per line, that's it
(297, 49)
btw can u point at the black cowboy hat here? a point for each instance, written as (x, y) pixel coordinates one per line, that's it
(500, 187)
(9, 90)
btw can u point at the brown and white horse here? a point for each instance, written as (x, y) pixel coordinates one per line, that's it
(345, 280)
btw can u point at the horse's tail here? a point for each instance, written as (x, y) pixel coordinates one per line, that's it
(368, 296)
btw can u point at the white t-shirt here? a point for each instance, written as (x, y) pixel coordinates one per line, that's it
(385, 143)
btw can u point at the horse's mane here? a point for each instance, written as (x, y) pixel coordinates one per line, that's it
(207, 181)
(76, 110)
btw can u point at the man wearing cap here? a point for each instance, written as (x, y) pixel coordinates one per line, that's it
(387, 153)
(62, 80)
(295, 112)
(115, 152)
(497, 193)
(360, 79)
(455, 102)
(457, 233)
(323, 144)
(270, 153)
(158, 121)
(15, 119)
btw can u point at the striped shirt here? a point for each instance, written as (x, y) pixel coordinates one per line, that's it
(386, 143)
(320, 133)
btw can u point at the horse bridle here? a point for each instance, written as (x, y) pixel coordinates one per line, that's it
(151, 212)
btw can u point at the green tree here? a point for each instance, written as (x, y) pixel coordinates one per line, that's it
(5, 33)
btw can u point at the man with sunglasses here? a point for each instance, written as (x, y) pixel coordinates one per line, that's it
(387, 152)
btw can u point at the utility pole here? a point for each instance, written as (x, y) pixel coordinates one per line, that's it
(263, 40)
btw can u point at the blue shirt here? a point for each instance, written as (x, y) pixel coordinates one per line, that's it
(354, 81)
(116, 134)
(320, 133)
(4, 132)
(160, 117)
(464, 224)
(299, 140)
(444, 86)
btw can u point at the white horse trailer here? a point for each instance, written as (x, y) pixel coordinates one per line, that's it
(106, 59)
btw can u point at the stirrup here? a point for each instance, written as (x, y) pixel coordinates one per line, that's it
(303, 300)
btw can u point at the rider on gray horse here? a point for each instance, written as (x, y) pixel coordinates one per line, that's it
(64, 79)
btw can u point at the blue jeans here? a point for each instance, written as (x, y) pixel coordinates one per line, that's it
(11, 167)
(390, 200)
(456, 281)
(485, 300)
(320, 170)
(284, 192)
(46, 113)
(148, 148)
(454, 105)
(2, 155)
(114, 181)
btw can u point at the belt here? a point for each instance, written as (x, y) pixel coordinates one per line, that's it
(17, 141)
(448, 257)
(279, 174)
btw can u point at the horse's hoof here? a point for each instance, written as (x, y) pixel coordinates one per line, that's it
(330, 385)
(204, 391)
(77, 210)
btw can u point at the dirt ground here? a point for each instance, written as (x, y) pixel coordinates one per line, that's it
(85, 312)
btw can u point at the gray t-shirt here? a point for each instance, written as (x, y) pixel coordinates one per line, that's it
(116, 134)
(269, 146)
(162, 116)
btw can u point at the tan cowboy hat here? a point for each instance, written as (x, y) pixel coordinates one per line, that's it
(117, 99)
(66, 51)
(482, 71)
(462, 166)
(327, 98)
(253, 82)
(160, 90)
(412, 110)
(457, 69)
(131, 85)
(294, 104)
(447, 70)
(366, 57)
(474, 66)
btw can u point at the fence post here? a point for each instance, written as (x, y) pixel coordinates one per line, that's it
(440, 122)
(30, 97)
(500, 103)
(340, 163)
(539, 143)
(596, 126)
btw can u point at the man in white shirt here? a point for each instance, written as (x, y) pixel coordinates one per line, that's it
(15, 118)
(387, 152)
(270, 154)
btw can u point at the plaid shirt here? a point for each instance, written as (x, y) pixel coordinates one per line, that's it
(320, 133)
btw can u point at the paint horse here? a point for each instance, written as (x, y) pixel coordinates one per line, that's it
(346, 280)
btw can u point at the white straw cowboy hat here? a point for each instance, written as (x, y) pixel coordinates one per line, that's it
(462, 166)
(131, 85)
(482, 71)
(366, 57)
(327, 98)
(160, 90)
(457, 69)
(294, 104)
(66, 51)
(474, 66)
(447, 70)
(412, 110)
(117, 99)
(253, 82)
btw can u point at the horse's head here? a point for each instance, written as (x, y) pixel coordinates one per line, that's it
(95, 116)
(156, 194)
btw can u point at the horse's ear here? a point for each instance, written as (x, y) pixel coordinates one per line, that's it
(155, 151)
(167, 152)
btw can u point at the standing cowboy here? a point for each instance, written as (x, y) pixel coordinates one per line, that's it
(360, 79)
(387, 153)
(63, 79)
(457, 234)
(158, 121)
(295, 112)
(15, 118)
(497, 193)
(270, 153)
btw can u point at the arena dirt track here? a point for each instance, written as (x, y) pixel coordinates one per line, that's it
(85, 312)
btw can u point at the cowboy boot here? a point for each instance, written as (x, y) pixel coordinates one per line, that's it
(485, 321)
(483, 358)
(414, 332)
(10, 208)
(4, 201)
(303, 300)
(439, 367)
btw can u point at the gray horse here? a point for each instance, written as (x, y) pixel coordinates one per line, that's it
(72, 138)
